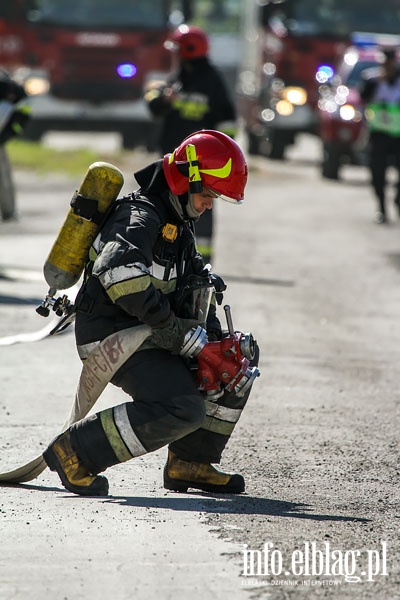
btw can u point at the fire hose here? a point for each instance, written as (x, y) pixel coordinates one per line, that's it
(98, 369)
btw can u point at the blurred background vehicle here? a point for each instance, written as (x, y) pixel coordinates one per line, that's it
(85, 62)
(290, 48)
(343, 130)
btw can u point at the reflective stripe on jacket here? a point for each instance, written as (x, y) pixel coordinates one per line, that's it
(383, 111)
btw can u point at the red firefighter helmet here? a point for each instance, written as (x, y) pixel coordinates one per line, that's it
(207, 159)
(189, 41)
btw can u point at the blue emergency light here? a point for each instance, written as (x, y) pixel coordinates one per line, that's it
(126, 70)
(324, 73)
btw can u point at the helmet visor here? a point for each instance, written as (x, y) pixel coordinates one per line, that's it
(224, 197)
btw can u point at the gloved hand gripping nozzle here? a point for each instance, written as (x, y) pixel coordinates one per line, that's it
(222, 365)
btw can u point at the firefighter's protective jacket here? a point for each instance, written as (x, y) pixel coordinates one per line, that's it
(200, 100)
(138, 263)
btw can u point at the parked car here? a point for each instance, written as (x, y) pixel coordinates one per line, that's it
(343, 129)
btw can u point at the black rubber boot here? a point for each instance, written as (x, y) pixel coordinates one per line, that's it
(61, 457)
(179, 475)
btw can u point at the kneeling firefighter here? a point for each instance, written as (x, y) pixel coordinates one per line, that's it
(189, 381)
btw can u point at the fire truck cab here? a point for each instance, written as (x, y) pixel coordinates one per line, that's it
(85, 62)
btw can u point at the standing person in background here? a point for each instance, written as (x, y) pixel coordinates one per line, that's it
(380, 91)
(12, 121)
(194, 97)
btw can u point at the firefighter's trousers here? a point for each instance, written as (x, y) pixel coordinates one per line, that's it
(166, 408)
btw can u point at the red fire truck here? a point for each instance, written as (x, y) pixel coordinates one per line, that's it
(86, 61)
(290, 48)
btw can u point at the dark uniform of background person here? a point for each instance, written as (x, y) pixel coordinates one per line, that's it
(13, 119)
(194, 97)
(141, 266)
(380, 90)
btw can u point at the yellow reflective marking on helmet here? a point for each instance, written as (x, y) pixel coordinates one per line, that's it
(222, 172)
(195, 185)
(194, 174)
(171, 158)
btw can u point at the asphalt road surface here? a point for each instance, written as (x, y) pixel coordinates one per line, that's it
(316, 281)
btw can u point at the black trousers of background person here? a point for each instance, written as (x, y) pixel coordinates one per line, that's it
(384, 151)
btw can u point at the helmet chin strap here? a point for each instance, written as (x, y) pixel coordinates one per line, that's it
(190, 209)
(184, 206)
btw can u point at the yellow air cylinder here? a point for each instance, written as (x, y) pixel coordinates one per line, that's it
(68, 256)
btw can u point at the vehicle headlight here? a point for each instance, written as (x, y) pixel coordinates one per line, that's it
(284, 108)
(347, 112)
(295, 95)
(36, 85)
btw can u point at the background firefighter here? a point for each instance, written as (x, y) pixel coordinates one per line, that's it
(13, 118)
(194, 97)
(141, 263)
